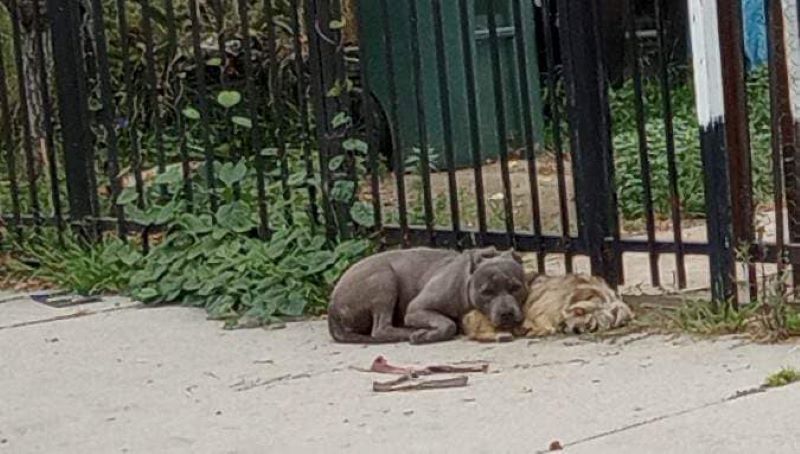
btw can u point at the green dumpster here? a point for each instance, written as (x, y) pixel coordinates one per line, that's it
(373, 50)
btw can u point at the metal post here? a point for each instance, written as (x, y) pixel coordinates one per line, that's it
(73, 106)
(791, 51)
(711, 118)
(589, 132)
(737, 135)
(780, 122)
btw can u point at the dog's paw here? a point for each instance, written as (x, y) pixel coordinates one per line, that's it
(418, 337)
(503, 337)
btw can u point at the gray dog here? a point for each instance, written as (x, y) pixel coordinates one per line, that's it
(419, 295)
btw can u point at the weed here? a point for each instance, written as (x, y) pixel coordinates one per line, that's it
(783, 377)
(90, 269)
(701, 317)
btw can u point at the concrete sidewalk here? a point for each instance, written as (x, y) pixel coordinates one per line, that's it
(118, 378)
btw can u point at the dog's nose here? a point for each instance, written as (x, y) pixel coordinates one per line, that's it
(507, 318)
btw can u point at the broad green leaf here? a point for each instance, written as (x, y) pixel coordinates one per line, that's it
(276, 248)
(297, 178)
(355, 145)
(130, 258)
(191, 113)
(335, 163)
(171, 176)
(229, 98)
(340, 120)
(230, 174)
(334, 91)
(146, 294)
(270, 152)
(242, 121)
(352, 248)
(216, 61)
(343, 191)
(294, 305)
(363, 214)
(235, 217)
(196, 225)
(127, 196)
(318, 261)
(143, 217)
(165, 214)
(336, 24)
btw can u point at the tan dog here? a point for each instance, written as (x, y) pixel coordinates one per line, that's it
(571, 304)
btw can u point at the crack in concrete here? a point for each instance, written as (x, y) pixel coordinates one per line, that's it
(608, 433)
(244, 385)
(58, 318)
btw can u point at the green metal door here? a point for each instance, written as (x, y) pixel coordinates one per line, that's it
(373, 50)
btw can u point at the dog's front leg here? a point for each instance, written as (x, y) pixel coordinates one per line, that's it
(431, 326)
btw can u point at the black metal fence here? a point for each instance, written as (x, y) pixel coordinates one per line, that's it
(440, 122)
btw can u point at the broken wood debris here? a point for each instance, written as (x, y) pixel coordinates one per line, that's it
(409, 373)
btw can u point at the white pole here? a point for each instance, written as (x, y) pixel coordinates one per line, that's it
(791, 39)
(707, 70)
(706, 61)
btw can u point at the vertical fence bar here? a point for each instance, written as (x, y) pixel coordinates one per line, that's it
(737, 134)
(47, 119)
(792, 50)
(669, 131)
(318, 97)
(331, 105)
(711, 118)
(644, 152)
(277, 104)
(302, 107)
(502, 128)
(369, 123)
(202, 105)
(107, 114)
(153, 101)
(72, 104)
(555, 113)
(589, 124)
(782, 137)
(8, 143)
(447, 120)
(253, 101)
(467, 39)
(422, 129)
(172, 33)
(394, 118)
(528, 126)
(30, 157)
(224, 133)
(136, 152)
(180, 102)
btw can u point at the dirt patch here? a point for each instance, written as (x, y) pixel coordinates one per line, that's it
(548, 192)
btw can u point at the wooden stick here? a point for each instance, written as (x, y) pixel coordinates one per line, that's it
(401, 384)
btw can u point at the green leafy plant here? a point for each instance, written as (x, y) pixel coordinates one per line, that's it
(216, 260)
(629, 178)
(231, 275)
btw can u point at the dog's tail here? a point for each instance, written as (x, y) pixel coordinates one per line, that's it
(344, 335)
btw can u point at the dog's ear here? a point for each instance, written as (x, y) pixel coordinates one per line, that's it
(513, 255)
(476, 256)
